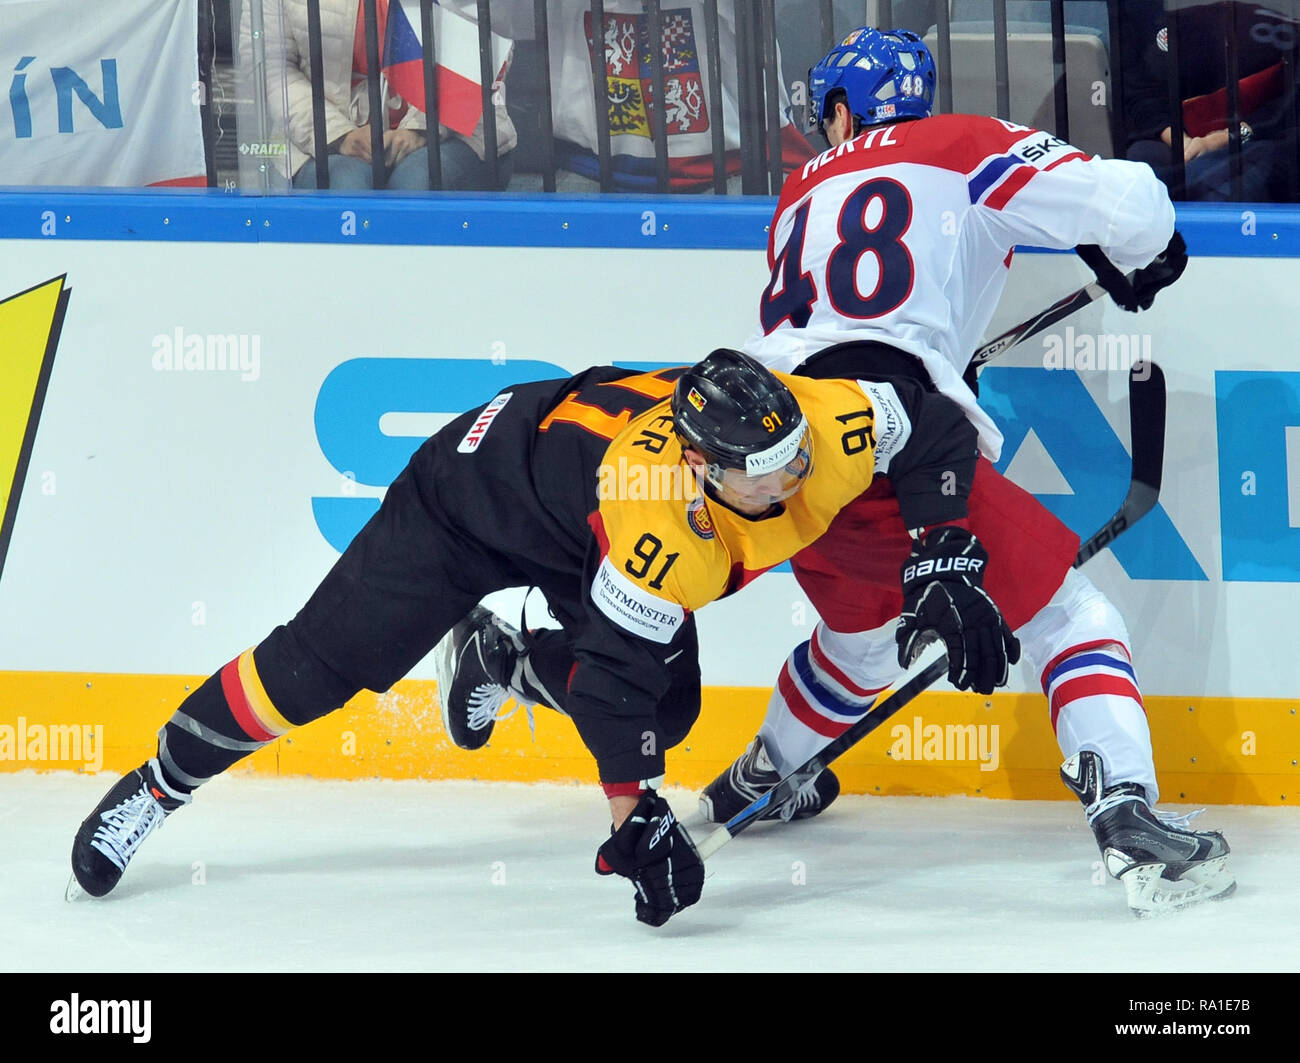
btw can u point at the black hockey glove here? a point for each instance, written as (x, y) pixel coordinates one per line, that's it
(943, 594)
(1164, 269)
(653, 849)
(1117, 286)
(1140, 292)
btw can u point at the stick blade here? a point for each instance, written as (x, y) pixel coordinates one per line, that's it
(1146, 409)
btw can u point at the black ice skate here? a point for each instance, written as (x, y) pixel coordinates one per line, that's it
(109, 837)
(1163, 865)
(475, 664)
(750, 777)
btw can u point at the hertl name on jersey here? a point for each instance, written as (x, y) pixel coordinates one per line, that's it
(877, 136)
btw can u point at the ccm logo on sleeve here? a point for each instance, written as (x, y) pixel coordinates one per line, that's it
(634, 609)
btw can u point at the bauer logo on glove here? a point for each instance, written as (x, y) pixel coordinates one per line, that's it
(936, 566)
(943, 595)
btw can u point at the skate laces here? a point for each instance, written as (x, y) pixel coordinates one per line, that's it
(806, 797)
(1177, 820)
(1180, 821)
(1110, 800)
(752, 781)
(126, 825)
(486, 701)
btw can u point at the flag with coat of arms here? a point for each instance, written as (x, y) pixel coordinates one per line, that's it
(623, 42)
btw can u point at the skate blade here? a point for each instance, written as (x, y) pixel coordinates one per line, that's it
(1149, 894)
(74, 892)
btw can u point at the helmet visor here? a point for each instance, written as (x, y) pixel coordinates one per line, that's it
(765, 481)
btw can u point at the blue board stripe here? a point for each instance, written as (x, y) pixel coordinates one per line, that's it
(458, 220)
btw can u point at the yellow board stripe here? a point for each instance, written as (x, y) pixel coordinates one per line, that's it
(259, 702)
(1207, 750)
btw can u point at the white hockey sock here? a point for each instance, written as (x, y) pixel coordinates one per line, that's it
(825, 685)
(1077, 645)
(1096, 704)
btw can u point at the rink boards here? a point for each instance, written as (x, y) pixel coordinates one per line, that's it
(232, 382)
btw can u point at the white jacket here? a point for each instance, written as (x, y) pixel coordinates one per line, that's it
(288, 77)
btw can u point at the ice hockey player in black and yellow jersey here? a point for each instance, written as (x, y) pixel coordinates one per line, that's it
(630, 500)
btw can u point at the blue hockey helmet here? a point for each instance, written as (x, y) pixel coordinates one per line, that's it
(886, 74)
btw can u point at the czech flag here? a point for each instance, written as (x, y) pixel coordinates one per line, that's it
(460, 90)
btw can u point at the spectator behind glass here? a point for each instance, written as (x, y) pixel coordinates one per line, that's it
(1264, 38)
(629, 88)
(347, 104)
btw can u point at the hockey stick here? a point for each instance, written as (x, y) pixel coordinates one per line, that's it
(935, 666)
(1096, 260)
(1147, 414)
(1146, 403)
(1044, 319)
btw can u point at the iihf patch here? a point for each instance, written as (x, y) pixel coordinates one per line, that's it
(697, 516)
(854, 36)
(886, 110)
(482, 423)
(1162, 39)
(697, 400)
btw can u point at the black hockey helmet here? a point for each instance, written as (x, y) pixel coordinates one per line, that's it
(748, 427)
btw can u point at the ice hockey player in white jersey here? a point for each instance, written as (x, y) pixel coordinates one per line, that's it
(888, 254)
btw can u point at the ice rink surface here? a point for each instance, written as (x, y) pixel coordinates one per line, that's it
(299, 875)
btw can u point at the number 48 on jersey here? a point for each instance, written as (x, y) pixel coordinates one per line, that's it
(873, 221)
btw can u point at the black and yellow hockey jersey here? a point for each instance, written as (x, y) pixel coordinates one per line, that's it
(583, 483)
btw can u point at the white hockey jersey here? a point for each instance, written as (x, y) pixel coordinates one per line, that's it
(904, 235)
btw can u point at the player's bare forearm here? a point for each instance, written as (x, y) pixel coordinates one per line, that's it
(620, 808)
